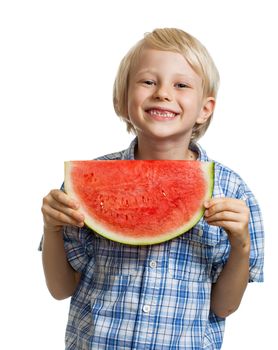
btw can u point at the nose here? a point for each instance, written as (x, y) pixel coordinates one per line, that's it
(162, 93)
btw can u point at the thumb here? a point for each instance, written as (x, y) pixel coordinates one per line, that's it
(208, 203)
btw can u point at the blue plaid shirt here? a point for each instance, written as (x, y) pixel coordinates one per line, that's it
(155, 297)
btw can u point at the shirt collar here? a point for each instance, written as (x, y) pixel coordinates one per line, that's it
(128, 154)
(202, 155)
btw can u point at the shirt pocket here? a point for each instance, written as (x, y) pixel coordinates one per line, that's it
(190, 255)
(112, 258)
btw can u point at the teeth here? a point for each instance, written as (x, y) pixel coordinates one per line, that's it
(162, 114)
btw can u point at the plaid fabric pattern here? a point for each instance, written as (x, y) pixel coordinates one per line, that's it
(155, 297)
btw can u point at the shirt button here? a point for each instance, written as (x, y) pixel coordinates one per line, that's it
(153, 264)
(146, 308)
(90, 249)
(200, 232)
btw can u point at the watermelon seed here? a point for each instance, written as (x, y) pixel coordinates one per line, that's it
(164, 194)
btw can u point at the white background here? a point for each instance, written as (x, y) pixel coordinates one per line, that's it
(58, 60)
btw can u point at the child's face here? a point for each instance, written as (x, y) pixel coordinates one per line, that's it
(165, 97)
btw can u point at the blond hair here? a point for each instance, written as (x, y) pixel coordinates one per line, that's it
(174, 40)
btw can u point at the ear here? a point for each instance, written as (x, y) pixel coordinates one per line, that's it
(206, 110)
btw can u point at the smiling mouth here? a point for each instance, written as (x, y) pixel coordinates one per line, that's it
(161, 114)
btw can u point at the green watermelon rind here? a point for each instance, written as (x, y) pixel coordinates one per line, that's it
(208, 170)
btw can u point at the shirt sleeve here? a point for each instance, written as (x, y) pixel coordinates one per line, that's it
(256, 230)
(76, 244)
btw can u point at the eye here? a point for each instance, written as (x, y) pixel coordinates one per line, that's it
(181, 85)
(148, 82)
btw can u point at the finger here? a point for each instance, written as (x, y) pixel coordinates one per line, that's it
(235, 201)
(223, 216)
(52, 210)
(226, 225)
(63, 198)
(54, 217)
(230, 226)
(226, 204)
(75, 214)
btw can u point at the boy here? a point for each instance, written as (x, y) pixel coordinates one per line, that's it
(174, 295)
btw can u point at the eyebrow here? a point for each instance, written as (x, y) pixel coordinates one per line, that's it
(177, 75)
(146, 70)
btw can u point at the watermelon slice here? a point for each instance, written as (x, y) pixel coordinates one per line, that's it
(140, 202)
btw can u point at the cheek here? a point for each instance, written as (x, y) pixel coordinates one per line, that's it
(135, 100)
(191, 104)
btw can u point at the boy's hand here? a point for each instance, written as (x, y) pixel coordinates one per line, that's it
(231, 214)
(59, 209)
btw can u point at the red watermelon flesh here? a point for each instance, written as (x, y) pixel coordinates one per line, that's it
(140, 202)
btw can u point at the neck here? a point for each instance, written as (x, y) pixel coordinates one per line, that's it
(164, 150)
